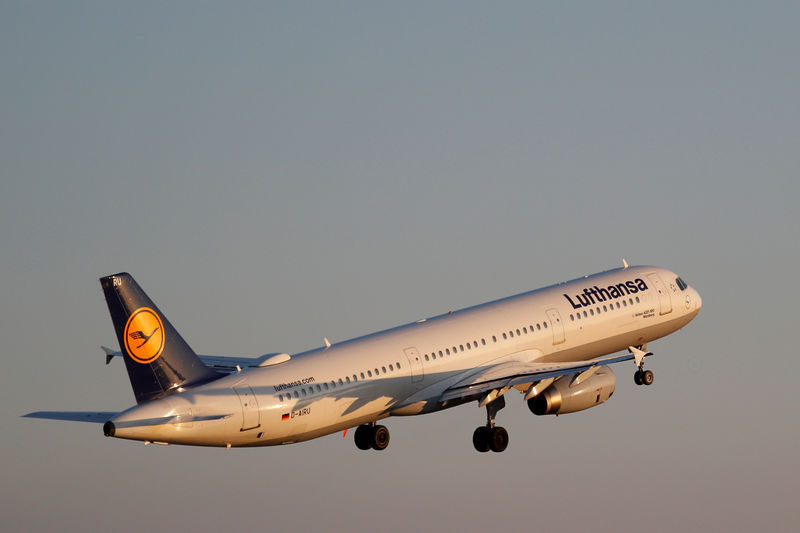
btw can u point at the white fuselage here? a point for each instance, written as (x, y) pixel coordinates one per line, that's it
(405, 370)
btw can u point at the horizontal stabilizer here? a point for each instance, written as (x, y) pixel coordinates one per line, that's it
(98, 417)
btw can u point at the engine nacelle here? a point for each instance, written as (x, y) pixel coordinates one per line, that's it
(565, 396)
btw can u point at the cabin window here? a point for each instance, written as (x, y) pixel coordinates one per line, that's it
(538, 326)
(447, 350)
(454, 350)
(383, 368)
(426, 357)
(326, 385)
(524, 330)
(572, 317)
(494, 339)
(369, 373)
(303, 391)
(469, 347)
(319, 389)
(605, 308)
(280, 397)
(441, 354)
(545, 325)
(483, 342)
(296, 394)
(391, 367)
(377, 373)
(398, 364)
(347, 379)
(591, 312)
(624, 303)
(511, 334)
(362, 375)
(505, 336)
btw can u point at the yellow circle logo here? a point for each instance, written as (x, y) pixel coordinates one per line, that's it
(144, 336)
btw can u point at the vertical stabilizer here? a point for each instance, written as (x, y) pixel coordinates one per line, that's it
(157, 358)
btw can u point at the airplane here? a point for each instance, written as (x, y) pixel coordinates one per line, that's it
(552, 345)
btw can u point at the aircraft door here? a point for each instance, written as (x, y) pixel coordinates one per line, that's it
(250, 415)
(664, 299)
(414, 359)
(557, 325)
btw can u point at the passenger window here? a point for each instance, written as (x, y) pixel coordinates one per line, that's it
(447, 350)
(433, 355)
(440, 354)
(483, 342)
(319, 389)
(605, 309)
(383, 368)
(545, 325)
(469, 347)
(511, 334)
(426, 357)
(391, 367)
(303, 391)
(474, 344)
(505, 336)
(280, 397)
(518, 333)
(362, 375)
(637, 299)
(369, 373)
(347, 379)
(494, 339)
(296, 395)
(524, 330)
(398, 365)
(326, 385)
(624, 303)
(572, 317)
(461, 346)
(591, 312)
(538, 326)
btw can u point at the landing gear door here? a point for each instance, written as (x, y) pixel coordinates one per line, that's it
(664, 299)
(557, 325)
(250, 416)
(417, 373)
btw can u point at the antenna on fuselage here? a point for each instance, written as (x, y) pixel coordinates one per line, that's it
(624, 264)
(327, 342)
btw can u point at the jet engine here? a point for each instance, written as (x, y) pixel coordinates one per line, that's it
(574, 393)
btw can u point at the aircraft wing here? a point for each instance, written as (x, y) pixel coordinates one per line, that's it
(501, 377)
(97, 417)
(217, 362)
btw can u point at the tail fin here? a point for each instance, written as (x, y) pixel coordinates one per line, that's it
(157, 358)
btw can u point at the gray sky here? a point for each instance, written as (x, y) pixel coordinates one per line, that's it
(276, 173)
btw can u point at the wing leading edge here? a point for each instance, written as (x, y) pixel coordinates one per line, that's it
(503, 376)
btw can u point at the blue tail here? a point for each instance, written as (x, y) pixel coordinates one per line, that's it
(158, 360)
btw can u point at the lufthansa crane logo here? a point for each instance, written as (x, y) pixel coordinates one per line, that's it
(144, 336)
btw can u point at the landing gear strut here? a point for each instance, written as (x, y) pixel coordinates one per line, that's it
(491, 437)
(372, 436)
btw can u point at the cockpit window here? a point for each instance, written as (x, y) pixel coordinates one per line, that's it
(682, 284)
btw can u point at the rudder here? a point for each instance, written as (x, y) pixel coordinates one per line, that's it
(157, 358)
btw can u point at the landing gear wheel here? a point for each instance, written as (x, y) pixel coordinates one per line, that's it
(498, 439)
(380, 438)
(363, 437)
(637, 377)
(480, 439)
(647, 377)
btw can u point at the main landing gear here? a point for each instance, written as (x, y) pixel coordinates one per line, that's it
(491, 437)
(372, 436)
